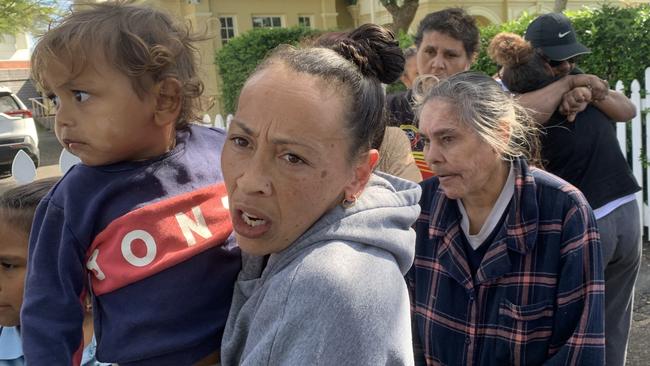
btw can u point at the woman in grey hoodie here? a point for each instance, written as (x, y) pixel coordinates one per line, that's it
(326, 242)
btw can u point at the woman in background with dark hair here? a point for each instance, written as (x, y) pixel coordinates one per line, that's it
(326, 242)
(447, 42)
(585, 152)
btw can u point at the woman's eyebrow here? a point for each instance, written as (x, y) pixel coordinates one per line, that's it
(241, 125)
(289, 141)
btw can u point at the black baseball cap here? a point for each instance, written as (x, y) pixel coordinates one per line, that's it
(555, 36)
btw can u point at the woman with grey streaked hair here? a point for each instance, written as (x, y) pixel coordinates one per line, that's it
(508, 268)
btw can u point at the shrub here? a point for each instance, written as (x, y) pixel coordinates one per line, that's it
(619, 38)
(239, 57)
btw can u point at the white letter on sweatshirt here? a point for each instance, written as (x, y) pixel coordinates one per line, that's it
(149, 242)
(188, 226)
(92, 265)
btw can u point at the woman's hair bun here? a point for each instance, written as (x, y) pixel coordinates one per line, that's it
(509, 49)
(374, 50)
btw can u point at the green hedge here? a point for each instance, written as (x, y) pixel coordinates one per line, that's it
(619, 38)
(239, 57)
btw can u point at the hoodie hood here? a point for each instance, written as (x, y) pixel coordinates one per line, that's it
(381, 217)
(341, 274)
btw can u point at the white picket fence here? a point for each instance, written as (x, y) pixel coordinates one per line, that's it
(218, 121)
(635, 127)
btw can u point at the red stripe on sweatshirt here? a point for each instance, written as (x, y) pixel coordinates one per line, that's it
(158, 236)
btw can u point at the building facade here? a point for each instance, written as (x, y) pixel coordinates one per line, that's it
(485, 11)
(14, 66)
(225, 19)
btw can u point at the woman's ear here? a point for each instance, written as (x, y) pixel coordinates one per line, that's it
(168, 98)
(362, 171)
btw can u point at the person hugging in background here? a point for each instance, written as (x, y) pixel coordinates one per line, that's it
(585, 152)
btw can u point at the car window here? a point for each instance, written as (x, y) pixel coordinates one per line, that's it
(7, 103)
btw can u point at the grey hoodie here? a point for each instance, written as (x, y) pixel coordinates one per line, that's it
(337, 295)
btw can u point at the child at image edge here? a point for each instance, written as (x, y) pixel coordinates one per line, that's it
(17, 206)
(141, 223)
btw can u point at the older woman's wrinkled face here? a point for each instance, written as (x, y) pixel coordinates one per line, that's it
(465, 164)
(285, 161)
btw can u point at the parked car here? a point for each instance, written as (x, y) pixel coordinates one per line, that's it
(17, 130)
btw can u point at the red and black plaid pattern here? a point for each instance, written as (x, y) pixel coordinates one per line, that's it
(538, 295)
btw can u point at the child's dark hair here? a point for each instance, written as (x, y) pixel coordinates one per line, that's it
(355, 63)
(145, 44)
(18, 204)
(455, 23)
(523, 69)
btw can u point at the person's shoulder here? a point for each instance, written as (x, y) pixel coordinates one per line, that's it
(206, 135)
(73, 184)
(206, 130)
(429, 189)
(556, 190)
(347, 270)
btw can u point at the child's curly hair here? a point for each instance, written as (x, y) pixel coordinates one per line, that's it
(509, 49)
(145, 44)
(523, 68)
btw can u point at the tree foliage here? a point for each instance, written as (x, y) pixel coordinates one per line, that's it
(239, 57)
(25, 15)
(619, 39)
(402, 11)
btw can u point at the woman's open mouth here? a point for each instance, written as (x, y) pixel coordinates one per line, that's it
(252, 220)
(250, 225)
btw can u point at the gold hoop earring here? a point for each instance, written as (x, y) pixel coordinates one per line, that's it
(349, 202)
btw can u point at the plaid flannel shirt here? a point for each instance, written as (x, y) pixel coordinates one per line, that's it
(538, 295)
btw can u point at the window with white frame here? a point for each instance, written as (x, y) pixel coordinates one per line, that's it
(227, 25)
(267, 22)
(305, 21)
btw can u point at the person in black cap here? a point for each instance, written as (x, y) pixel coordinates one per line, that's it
(590, 158)
(553, 36)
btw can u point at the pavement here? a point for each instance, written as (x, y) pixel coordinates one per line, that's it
(639, 344)
(638, 352)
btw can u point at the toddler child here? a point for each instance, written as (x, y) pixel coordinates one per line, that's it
(141, 222)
